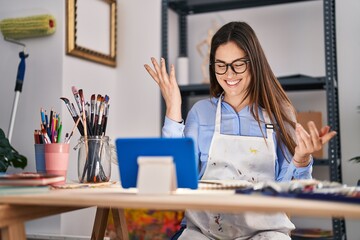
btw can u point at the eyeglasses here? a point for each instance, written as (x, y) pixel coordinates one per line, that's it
(238, 66)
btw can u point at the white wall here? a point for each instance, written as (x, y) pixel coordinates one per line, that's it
(291, 34)
(348, 49)
(42, 84)
(50, 73)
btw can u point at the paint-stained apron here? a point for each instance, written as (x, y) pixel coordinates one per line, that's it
(245, 158)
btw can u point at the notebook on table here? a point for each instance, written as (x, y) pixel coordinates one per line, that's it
(180, 149)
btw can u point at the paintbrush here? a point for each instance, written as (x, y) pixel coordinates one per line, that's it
(82, 103)
(68, 136)
(92, 110)
(103, 127)
(104, 116)
(87, 164)
(87, 111)
(77, 98)
(96, 119)
(74, 114)
(100, 118)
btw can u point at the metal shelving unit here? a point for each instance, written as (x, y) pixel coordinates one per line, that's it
(183, 8)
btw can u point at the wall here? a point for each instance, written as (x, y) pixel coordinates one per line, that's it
(348, 48)
(294, 30)
(42, 84)
(51, 74)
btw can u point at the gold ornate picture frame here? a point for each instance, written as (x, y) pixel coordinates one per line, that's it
(87, 38)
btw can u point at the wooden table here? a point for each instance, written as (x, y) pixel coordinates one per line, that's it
(16, 209)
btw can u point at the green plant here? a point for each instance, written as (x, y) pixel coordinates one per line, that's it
(355, 159)
(9, 156)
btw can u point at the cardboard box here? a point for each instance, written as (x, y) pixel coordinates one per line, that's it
(304, 117)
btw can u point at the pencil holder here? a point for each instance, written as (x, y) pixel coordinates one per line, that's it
(94, 159)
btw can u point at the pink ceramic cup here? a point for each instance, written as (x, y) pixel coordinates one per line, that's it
(57, 159)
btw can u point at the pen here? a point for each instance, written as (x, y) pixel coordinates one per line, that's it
(59, 133)
(50, 127)
(43, 121)
(46, 136)
(36, 137)
(46, 121)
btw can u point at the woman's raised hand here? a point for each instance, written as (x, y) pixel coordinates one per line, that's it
(168, 86)
(309, 143)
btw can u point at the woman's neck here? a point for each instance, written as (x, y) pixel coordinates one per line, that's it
(236, 102)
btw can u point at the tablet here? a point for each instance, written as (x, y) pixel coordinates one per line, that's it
(180, 149)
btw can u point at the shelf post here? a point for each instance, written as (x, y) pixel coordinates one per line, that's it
(334, 151)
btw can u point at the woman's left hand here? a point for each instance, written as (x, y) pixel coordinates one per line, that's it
(309, 143)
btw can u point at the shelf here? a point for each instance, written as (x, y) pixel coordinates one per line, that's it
(321, 162)
(204, 6)
(289, 83)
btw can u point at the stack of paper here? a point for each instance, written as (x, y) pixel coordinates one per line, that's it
(25, 183)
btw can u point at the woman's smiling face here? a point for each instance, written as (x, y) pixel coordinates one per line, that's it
(234, 84)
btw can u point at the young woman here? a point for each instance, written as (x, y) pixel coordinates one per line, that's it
(246, 130)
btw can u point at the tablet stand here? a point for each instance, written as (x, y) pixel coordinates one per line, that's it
(156, 175)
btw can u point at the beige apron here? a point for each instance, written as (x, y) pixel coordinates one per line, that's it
(245, 158)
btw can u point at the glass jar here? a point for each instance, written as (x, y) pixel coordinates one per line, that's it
(94, 159)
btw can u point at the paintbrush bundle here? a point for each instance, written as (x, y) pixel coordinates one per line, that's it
(94, 158)
(93, 115)
(50, 128)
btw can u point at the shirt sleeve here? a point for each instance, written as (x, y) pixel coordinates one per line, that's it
(286, 171)
(172, 129)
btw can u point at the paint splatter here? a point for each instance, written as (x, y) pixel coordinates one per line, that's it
(217, 221)
(253, 150)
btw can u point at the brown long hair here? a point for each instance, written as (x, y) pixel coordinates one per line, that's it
(264, 90)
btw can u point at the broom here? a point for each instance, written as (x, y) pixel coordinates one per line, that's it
(20, 28)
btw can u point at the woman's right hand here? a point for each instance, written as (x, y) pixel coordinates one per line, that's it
(168, 86)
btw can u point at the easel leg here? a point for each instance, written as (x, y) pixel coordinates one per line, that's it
(120, 223)
(14, 232)
(101, 218)
(100, 223)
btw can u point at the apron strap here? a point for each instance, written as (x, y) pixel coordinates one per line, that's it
(218, 115)
(268, 125)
